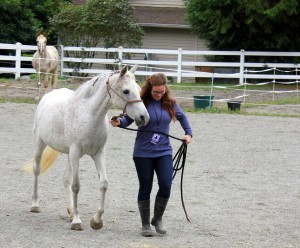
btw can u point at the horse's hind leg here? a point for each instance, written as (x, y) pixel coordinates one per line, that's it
(40, 147)
(96, 222)
(67, 179)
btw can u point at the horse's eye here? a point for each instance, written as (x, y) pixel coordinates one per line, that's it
(126, 92)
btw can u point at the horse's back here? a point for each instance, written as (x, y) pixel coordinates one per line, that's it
(57, 97)
(50, 117)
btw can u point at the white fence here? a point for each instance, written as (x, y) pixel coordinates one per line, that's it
(180, 64)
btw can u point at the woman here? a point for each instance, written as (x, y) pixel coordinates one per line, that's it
(153, 151)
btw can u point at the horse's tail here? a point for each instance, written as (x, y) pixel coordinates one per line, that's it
(49, 157)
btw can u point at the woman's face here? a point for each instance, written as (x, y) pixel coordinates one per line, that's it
(158, 91)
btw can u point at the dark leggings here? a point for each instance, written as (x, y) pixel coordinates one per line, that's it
(145, 167)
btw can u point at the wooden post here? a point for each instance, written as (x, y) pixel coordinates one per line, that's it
(242, 68)
(18, 60)
(120, 57)
(61, 60)
(179, 65)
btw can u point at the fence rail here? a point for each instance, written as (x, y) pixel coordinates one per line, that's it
(180, 64)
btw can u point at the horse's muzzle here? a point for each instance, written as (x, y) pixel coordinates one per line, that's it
(142, 120)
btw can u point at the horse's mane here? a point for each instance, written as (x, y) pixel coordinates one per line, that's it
(90, 87)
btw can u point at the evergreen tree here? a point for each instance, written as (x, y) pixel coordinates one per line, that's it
(258, 25)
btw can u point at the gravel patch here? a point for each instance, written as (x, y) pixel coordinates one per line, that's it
(241, 187)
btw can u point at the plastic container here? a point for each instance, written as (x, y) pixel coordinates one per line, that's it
(234, 105)
(203, 101)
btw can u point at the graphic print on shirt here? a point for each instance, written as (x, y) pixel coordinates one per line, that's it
(155, 138)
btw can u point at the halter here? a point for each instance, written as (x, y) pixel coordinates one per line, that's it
(127, 101)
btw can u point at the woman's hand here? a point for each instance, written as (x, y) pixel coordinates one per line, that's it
(115, 122)
(187, 138)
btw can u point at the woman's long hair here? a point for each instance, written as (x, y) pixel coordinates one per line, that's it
(168, 101)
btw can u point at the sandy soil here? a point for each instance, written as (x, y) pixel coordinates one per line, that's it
(26, 88)
(241, 187)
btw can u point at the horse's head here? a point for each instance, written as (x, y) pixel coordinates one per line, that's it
(41, 41)
(126, 95)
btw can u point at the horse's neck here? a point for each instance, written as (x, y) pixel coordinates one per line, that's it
(99, 102)
(43, 54)
(100, 105)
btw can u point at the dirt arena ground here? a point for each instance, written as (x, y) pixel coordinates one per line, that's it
(261, 101)
(241, 187)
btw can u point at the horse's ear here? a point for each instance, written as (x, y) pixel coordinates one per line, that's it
(38, 34)
(44, 33)
(133, 69)
(123, 71)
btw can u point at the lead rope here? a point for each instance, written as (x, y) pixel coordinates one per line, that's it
(180, 155)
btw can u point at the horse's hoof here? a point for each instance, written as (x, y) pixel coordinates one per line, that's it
(35, 209)
(76, 227)
(95, 225)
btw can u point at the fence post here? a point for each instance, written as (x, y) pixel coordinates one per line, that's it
(18, 60)
(179, 65)
(62, 60)
(242, 66)
(120, 57)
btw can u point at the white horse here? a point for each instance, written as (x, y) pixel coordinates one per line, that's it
(45, 62)
(76, 123)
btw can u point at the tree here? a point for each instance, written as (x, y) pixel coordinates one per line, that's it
(110, 22)
(265, 25)
(21, 20)
(17, 22)
(43, 12)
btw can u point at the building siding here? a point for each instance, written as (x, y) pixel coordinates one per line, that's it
(173, 39)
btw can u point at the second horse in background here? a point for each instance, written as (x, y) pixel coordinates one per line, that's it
(45, 62)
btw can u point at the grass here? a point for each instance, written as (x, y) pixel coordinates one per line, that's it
(224, 110)
(18, 100)
(243, 110)
(207, 86)
(283, 101)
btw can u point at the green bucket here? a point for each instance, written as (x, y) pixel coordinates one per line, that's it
(203, 101)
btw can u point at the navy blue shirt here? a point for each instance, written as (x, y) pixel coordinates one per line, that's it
(149, 144)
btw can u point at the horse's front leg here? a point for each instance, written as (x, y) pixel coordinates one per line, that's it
(40, 147)
(67, 179)
(74, 156)
(38, 87)
(46, 80)
(96, 222)
(54, 78)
